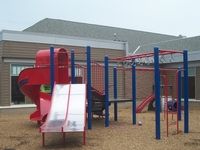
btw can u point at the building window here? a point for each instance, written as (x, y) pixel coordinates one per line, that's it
(192, 71)
(16, 96)
(16, 69)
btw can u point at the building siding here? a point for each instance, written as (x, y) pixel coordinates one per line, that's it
(0, 81)
(28, 50)
(145, 80)
(197, 96)
(120, 84)
(25, 50)
(5, 84)
(1, 43)
(144, 84)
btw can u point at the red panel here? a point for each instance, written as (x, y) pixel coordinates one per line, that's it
(45, 103)
(35, 116)
(144, 103)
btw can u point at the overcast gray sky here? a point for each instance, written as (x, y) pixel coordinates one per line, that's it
(172, 17)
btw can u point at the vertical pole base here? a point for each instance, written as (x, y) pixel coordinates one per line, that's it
(43, 139)
(84, 137)
(64, 137)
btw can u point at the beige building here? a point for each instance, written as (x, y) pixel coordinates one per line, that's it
(18, 49)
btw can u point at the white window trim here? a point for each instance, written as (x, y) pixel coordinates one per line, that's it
(10, 76)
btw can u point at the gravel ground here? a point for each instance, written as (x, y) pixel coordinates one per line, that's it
(18, 133)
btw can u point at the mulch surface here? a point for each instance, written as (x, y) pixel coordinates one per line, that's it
(18, 133)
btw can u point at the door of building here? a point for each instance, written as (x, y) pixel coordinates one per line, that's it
(191, 87)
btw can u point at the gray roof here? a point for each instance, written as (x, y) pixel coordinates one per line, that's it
(190, 43)
(133, 37)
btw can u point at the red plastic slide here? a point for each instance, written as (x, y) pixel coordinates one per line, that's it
(144, 102)
(29, 82)
(31, 79)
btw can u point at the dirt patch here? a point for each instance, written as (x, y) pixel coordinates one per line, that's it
(18, 133)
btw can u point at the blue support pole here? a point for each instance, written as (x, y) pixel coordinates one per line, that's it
(157, 91)
(106, 84)
(89, 89)
(179, 94)
(52, 68)
(72, 67)
(115, 92)
(133, 94)
(186, 107)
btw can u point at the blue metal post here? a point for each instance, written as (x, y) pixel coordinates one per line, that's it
(89, 89)
(52, 71)
(72, 67)
(186, 107)
(179, 94)
(157, 91)
(106, 84)
(115, 92)
(133, 94)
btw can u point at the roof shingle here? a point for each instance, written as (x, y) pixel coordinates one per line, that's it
(133, 37)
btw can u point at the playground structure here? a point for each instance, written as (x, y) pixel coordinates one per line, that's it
(157, 77)
(55, 70)
(64, 108)
(31, 79)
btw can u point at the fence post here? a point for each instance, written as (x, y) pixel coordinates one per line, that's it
(133, 94)
(106, 84)
(157, 91)
(52, 68)
(89, 89)
(115, 92)
(72, 67)
(186, 107)
(179, 94)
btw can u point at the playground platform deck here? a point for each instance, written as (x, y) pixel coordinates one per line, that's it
(19, 133)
